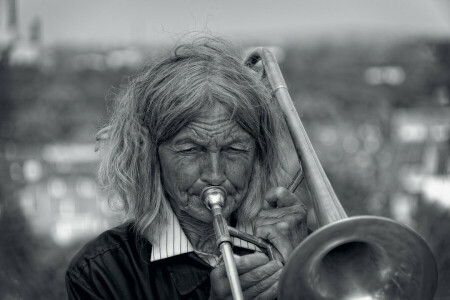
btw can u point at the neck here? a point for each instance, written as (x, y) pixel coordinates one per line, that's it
(201, 235)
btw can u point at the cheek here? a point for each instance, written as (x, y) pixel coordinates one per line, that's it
(178, 175)
(240, 172)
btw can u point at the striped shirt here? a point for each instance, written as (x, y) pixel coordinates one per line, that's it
(173, 241)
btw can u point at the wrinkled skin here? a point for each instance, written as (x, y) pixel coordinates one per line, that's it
(212, 150)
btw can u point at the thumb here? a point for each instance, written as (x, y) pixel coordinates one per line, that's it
(274, 233)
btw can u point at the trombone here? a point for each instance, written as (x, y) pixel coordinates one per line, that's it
(363, 257)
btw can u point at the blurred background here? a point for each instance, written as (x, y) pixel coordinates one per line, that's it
(370, 80)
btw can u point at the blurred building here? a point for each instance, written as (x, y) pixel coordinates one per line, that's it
(16, 49)
(8, 27)
(60, 197)
(422, 160)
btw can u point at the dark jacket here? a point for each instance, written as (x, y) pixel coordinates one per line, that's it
(116, 265)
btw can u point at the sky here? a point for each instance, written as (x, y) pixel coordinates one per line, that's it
(144, 21)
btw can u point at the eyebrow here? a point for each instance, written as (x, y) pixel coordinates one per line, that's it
(190, 140)
(186, 140)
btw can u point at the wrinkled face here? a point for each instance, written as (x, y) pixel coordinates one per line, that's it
(211, 150)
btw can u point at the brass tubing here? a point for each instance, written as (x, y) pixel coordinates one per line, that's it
(254, 240)
(232, 274)
(328, 209)
(214, 197)
(296, 181)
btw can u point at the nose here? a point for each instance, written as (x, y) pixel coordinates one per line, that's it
(213, 171)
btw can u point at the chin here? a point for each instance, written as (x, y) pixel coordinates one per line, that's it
(203, 215)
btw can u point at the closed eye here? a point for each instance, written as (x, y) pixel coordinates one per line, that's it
(190, 150)
(235, 150)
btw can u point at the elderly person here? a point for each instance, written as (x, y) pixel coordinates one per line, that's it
(194, 118)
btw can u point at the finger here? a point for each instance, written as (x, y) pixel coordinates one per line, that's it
(283, 236)
(219, 271)
(269, 294)
(281, 197)
(272, 215)
(257, 275)
(220, 287)
(249, 262)
(264, 288)
(243, 263)
(218, 277)
(278, 235)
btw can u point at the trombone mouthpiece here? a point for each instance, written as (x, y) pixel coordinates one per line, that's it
(213, 195)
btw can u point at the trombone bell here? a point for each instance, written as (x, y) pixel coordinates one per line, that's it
(360, 258)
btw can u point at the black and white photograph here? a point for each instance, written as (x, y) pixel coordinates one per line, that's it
(224, 149)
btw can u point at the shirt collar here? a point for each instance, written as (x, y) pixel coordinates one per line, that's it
(173, 242)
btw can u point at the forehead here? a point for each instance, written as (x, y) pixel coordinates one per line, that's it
(213, 123)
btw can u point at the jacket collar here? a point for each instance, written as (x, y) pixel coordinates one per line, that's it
(188, 272)
(172, 241)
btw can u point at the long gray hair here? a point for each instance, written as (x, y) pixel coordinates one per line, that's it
(166, 95)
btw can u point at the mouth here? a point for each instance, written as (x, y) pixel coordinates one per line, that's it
(227, 204)
(213, 196)
(196, 197)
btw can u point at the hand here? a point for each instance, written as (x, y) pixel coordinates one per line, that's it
(258, 277)
(282, 222)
